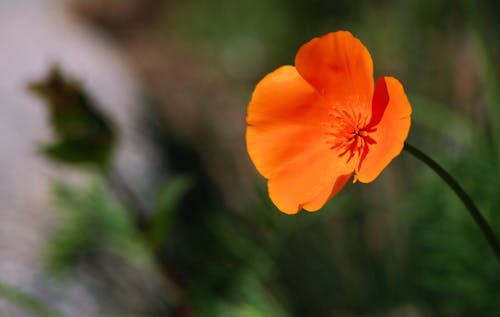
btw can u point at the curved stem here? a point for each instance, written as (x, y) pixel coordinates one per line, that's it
(464, 197)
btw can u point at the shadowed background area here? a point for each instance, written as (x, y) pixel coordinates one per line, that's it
(143, 201)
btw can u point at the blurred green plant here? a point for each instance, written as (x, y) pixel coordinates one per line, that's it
(452, 268)
(84, 135)
(168, 204)
(90, 220)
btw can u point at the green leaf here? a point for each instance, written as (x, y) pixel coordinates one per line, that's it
(84, 135)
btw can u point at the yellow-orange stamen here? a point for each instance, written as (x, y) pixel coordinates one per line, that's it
(347, 133)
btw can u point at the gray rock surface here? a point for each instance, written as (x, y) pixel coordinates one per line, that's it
(33, 36)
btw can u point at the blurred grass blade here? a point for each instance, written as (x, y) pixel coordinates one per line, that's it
(83, 134)
(26, 302)
(168, 204)
(489, 77)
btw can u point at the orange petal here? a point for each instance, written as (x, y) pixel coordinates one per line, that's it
(328, 192)
(288, 145)
(284, 120)
(391, 112)
(308, 182)
(338, 65)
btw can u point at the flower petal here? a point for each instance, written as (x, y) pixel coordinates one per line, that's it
(390, 121)
(328, 192)
(308, 182)
(284, 120)
(288, 144)
(338, 65)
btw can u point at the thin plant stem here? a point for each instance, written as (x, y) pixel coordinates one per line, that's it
(464, 197)
(137, 209)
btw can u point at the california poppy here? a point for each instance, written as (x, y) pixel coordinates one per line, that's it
(312, 125)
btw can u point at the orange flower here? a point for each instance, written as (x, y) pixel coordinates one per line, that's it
(310, 127)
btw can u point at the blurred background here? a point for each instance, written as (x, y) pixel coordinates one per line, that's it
(159, 212)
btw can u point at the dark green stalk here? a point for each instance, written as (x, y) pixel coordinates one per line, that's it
(464, 197)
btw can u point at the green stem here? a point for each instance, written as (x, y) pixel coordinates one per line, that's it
(464, 197)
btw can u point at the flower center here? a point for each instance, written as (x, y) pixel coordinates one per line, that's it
(348, 134)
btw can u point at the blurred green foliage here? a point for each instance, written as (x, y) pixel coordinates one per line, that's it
(168, 204)
(83, 134)
(90, 221)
